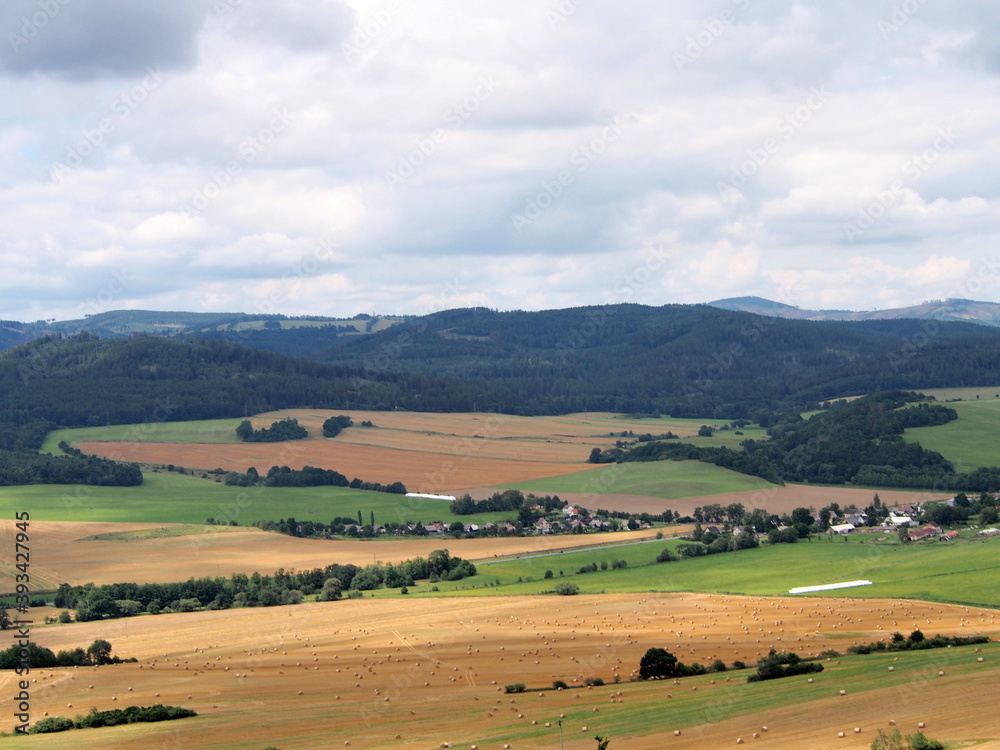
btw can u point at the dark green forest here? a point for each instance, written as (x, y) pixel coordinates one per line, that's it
(857, 442)
(685, 361)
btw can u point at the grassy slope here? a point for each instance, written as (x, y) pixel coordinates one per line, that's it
(202, 431)
(965, 572)
(166, 497)
(970, 441)
(670, 480)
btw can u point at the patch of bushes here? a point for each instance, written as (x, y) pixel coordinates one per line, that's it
(566, 589)
(916, 641)
(777, 665)
(113, 718)
(517, 687)
(896, 741)
(286, 429)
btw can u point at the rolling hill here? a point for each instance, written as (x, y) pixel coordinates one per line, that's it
(960, 310)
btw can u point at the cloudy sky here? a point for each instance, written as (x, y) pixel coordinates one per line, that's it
(343, 156)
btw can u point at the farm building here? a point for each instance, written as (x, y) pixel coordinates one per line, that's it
(842, 528)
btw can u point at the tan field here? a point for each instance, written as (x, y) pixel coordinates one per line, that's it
(775, 500)
(67, 553)
(420, 673)
(375, 674)
(469, 450)
(416, 469)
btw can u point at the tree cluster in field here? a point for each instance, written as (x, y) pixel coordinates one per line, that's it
(916, 641)
(709, 543)
(895, 741)
(307, 476)
(112, 718)
(39, 657)
(335, 425)
(278, 432)
(92, 602)
(507, 500)
(660, 664)
(339, 526)
(777, 665)
(593, 567)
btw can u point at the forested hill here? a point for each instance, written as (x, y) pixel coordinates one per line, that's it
(82, 380)
(692, 361)
(695, 361)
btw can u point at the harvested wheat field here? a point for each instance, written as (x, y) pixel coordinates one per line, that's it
(427, 452)
(162, 553)
(420, 471)
(375, 674)
(776, 500)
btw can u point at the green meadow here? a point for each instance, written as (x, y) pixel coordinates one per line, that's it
(199, 431)
(971, 441)
(166, 497)
(964, 571)
(670, 480)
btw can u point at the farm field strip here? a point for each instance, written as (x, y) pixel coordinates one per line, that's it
(964, 573)
(141, 553)
(969, 442)
(378, 675)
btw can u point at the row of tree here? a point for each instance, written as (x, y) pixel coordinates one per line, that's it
(92, 602)
(307, 476)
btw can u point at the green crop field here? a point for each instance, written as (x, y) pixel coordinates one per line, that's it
(970, 393)
(964, 572)
(165, 497)
(971, 441)
(670, 480)
(202, 431)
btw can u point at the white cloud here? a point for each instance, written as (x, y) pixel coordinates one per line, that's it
(261, 136)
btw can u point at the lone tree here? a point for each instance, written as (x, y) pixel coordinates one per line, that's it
(332, 590)
(657, 664)
(100, 651)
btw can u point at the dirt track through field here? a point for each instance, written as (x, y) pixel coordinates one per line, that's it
(376, 674)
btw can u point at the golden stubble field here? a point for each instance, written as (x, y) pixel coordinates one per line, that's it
(66, 552)
(416, 674)
(427, 452)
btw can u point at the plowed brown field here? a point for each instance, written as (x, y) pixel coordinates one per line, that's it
(375, 674)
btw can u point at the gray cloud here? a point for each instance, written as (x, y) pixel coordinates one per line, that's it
(89, 38)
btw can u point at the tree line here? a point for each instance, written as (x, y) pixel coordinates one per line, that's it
(91, 602)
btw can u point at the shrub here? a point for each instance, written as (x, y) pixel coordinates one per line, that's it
(566, 588)
(594, 681)
(559, 685)
(51, 724)
(517, 687)
(667, 555)
(919, 742)
(775, 665)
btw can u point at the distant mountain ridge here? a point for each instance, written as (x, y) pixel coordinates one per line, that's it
(959, 310)
(292, 335)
